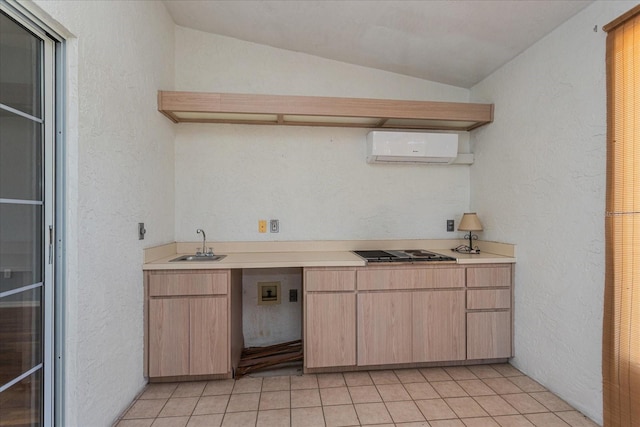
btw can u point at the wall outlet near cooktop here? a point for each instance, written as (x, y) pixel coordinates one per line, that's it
(450, 225)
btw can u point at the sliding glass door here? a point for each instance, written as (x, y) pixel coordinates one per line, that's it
(26, 219)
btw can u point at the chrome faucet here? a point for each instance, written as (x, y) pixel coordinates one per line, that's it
(204, 245)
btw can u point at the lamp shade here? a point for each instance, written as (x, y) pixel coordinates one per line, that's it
(470, 222)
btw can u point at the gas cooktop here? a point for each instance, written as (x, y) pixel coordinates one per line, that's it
(407, 255)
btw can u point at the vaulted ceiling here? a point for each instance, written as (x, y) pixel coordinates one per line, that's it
(456, 42)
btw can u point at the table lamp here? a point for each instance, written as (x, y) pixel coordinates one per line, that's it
(470, 223)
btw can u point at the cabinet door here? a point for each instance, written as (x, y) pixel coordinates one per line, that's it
(489, 335)
(168, 337)
(384, 328)
(438, 326)
(330, 324)
(209, 332)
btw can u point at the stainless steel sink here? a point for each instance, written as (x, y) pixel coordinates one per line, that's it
(198, 258)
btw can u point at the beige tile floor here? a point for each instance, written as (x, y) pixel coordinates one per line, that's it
(473, 396)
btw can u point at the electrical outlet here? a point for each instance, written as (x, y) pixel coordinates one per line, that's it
(141, 231)
(274, 225)
(262, 226)
(450, 225)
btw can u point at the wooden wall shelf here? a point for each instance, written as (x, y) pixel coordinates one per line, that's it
(200, 107)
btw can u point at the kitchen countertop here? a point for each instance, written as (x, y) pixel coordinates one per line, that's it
(263, 260)
(312, 254)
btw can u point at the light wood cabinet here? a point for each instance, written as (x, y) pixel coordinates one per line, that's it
(489, 335)
(489, 312)
(188, 323)
(330, 339)
(188, 336)
(329, 317)
(384, 328)
(168, 337)
(421, 320)
(208, 334)
(326, 280)
(438, 326)
(488, 299)
(374, 278)
(489, 276)
(407, 315)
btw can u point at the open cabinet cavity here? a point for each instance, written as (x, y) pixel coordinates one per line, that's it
(272, 322)
(268, 315)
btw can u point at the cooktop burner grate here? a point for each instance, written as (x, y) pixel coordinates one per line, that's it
(409, 255)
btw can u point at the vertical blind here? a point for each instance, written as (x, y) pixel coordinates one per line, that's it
(621, 323)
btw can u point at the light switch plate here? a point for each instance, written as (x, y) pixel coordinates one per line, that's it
(141, 231)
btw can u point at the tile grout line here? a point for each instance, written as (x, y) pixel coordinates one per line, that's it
(259, 399)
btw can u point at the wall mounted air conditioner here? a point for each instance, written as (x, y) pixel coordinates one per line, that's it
(411, 147)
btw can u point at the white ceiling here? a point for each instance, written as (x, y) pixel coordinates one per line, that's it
(457, 42)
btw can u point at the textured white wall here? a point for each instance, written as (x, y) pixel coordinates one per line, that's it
(539, 181)
(314, 180)
(120, 171)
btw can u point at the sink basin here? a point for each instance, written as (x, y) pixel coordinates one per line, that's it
(198, 258)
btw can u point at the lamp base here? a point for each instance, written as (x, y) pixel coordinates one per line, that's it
(469, 249)
(464, 249)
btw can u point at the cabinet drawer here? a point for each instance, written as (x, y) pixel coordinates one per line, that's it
(185, 284)
(488, 298)
(329, 280)
(404, 278)
(489, 276)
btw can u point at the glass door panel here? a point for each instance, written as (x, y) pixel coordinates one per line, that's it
(21, 242)
(21, 403)
(20, 334)
(20, 157)
(25, 206)
(20, 70)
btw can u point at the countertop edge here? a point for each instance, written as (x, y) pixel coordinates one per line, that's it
(300, 260)
(500, 260)
(233, 266)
